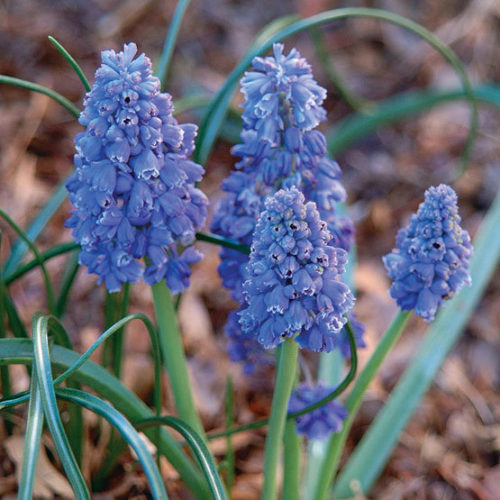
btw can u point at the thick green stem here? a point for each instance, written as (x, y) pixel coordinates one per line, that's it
(337, 441)
(291, 466)
(287, 365)
(173, 356)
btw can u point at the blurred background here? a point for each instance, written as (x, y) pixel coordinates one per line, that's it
(450, 448)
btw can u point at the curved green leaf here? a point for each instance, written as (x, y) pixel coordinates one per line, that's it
(224, 242)
(35, 87)
(47, 393)
(70, 272)
(198, 447)
(33, 248)
(399, 107)
(44, 256)
(32, 437)
(125, 428)
(217, 110)
(71, 60)
(35, 228)
(171, 38)
(20, 351)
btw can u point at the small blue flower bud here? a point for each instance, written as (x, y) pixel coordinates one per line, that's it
(431, 261)
(319, 423)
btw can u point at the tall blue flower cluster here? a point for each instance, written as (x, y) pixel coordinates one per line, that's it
(279, 148)
(319, 423)
(293, 285)
(431, 261)
(133, 190)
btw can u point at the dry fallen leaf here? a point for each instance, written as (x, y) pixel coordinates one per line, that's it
(48, 480)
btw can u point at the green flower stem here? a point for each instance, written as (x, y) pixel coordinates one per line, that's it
(337, 441)
(35, 87)
(117, 341)
(173, 356)
(291, 465)
(373, 451)
(287, 365)
(145, 423)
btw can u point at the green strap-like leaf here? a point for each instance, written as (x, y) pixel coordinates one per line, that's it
(54, 423)
(224, 242)
(32, 437)
(48, 285)
(170, 39)
(35, 87)
(371, 454)
(400, 107)
(20, 351)
(199, 449)
(125, 428)
(72, 62)
(35, 228)
(44, 257)
(217, 110)
(69, 276)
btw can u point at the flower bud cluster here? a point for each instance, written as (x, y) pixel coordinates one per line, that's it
(319, 423)
(431, 261)
(133, 190)
(294, 284)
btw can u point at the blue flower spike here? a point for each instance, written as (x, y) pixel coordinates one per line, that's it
(133, 190)
(431, 261)
(280, 148)
(293, 285)
(321, 422)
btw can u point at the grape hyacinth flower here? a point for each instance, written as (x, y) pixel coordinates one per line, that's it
(244, 347)
(279, 148)
(431, 261)
(133, 190)
(319, 423)
(293, 285)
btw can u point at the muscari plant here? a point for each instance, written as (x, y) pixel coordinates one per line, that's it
(284, 236)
